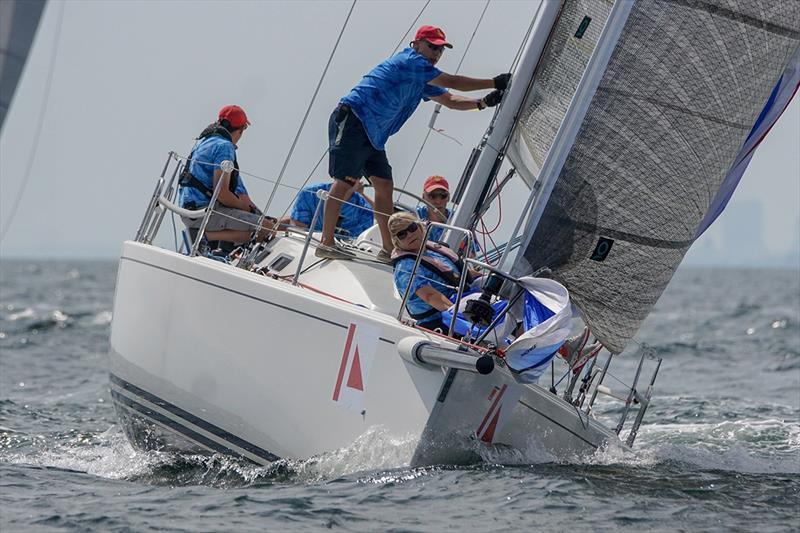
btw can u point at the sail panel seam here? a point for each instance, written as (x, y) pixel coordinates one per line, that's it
(715, 10)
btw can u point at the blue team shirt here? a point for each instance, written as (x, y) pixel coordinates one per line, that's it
(436, 232)
(388, 94)
(424, 276)
(353, 219)
(208, 154)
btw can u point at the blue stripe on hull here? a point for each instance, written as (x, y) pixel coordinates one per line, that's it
(188, 417)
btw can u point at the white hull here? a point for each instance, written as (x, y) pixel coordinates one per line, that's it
(208, 356)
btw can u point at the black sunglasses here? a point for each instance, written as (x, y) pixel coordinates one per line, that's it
(439, 195)
(435, 47)
(403, 233)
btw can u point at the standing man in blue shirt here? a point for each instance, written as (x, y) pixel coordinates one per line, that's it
(377, 108)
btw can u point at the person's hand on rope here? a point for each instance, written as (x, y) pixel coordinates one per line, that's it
(493, 98)
(501, 81)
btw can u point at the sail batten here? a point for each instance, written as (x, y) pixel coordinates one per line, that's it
(685, 84)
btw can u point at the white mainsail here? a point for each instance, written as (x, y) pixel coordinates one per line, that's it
(684, 86)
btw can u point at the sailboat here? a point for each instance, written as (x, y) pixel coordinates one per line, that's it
(630, 121)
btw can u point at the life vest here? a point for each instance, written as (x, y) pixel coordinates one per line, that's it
(188, 180)
(451, 276)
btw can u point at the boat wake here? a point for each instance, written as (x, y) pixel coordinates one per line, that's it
(742, 446)
(746, 446)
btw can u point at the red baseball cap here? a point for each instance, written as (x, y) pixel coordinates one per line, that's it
(235, 115)
(433, 35)
(435, 182)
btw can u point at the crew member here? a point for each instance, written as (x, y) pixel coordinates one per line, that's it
(235, 216)
(355, 215)
(375, 109)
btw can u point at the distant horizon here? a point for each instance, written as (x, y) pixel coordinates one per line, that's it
(686, 264)
(84, 193)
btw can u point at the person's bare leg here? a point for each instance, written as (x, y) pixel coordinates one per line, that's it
(383, 208)
(331, 211)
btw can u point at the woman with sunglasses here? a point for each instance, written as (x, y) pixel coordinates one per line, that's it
(375, 109)
(437, 278)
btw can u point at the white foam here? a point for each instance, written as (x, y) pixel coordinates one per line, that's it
(737, 446)
(28, 312)
(376, 449)
(112, 457)
(103, 318)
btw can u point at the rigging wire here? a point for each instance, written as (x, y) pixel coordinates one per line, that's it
(411, 27)
(524, 40)
(308, 110)
(305, 181)
(439, 106)
(325, 152)
(39, 125)
(514, 64)
(500, 212)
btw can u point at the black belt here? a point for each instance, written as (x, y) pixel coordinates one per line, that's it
(342, 110)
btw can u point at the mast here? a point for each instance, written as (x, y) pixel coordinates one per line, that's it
(492, 148)
(565, 137)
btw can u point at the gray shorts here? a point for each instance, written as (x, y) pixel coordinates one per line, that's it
(226, 218)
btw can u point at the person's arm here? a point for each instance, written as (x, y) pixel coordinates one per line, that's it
(253, 207)
(459, 103)
(298, 223)
(226, 197)
(369, 200)
(461, 83)
(462, 103)
(359, 188)
(434, 298)
(465, 83)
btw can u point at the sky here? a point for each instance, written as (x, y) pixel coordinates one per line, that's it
(131, 81)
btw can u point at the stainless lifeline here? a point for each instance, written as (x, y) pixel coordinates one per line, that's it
(462, 282)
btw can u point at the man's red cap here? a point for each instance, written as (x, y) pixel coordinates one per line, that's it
(435, 182)
(433, 35)
(235, 115)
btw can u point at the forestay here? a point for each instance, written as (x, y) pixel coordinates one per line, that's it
(682, 91)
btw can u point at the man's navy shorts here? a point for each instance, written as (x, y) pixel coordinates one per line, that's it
(351, 153)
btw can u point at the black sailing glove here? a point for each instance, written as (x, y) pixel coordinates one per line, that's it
(493, 98)
(501, 81)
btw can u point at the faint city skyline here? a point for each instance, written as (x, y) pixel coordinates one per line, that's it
(740, 241)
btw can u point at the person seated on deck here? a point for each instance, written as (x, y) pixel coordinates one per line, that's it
(355, 216)
(437, 277)
(235, 216)
(436, 191)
